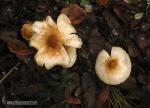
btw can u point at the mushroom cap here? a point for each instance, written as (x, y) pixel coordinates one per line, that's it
(115, 68)
(56, 42)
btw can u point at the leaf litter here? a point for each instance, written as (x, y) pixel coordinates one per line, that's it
(110, 23)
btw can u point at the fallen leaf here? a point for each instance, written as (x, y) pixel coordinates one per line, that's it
(75, 13)
(130, 84)
(133, 50)
(117, 10)
(135, 23)
(103, 2)
(104, 94)
(89, 90)
(95, 41)
(124, 11)
(111, 20)
(138, 15)
(18, 48)
(14, 45)
(73, 100)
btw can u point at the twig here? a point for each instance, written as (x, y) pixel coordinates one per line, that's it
(10, 71)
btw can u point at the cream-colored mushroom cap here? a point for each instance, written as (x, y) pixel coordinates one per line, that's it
(115, 68)
(56, 43)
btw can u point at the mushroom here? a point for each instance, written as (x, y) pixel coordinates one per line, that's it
(115, 68)
(55, 43)
(27, 31)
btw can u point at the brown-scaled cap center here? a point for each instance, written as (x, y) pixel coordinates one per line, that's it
(111, 64)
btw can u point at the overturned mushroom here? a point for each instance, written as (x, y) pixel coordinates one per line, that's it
(56, 43)
(115, 68)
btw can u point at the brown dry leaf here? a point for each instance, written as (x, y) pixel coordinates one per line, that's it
(89, 90)
(26, 31)
(135, 23)
(73, 100)
(117, 10)
(14, 45)
(111, 20)
(18, 48)
(75, 13)
(130, 84)
(123, 11)
(95, 42)
(133, 50)
(104, 94)
(103, 2)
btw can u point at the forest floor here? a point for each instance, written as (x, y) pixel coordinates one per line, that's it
(123, 23)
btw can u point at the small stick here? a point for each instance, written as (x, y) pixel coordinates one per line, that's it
(10, 71)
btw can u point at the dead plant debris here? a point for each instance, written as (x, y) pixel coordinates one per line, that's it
(121, 23)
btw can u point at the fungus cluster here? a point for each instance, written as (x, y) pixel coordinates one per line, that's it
(55, 43)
